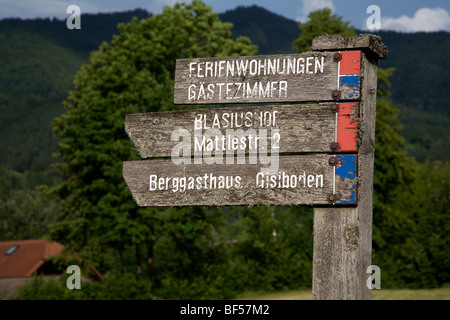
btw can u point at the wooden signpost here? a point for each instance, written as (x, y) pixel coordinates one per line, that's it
(319, 154)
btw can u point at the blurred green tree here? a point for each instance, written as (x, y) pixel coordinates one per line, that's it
(25, 213)
(321, 22)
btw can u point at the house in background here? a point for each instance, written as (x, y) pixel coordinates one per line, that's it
(21, 259)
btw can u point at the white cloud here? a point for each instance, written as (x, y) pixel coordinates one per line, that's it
(425, 19)
(309, 6)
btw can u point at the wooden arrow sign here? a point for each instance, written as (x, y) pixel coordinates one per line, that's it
(308, 76)
(262, 129)
(296, 180)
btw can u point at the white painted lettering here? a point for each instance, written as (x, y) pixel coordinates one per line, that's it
(308, 64)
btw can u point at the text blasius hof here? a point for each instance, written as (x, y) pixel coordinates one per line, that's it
(208, 70)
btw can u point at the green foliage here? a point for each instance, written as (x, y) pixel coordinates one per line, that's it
(264, 249)
(124, 287)
(409, 198)
(394, 178)
(321, 22)
(267, 238)
(393, 169)
(114, 287)
(46, 289)
(213, 284)
(25, 213)
(414, 251)
(432, 198)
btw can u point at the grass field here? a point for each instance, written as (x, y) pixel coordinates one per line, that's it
(383, 294)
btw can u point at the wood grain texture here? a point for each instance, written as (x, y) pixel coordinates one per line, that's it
(343, 236)
(363, 41)
(335, 260)
(313, 84)
(149, 184)
(366, 165)
(301, 128)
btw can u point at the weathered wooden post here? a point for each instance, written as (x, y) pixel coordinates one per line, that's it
(239, 155)
(343, 236)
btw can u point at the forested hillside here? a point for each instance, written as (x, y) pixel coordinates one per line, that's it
(419, 90)
(271, 32)
(36, 74)
(39, 59)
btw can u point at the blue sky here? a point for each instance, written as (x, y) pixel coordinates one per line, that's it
(406, 16)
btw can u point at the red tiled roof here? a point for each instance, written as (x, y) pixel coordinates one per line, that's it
(27, 258)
